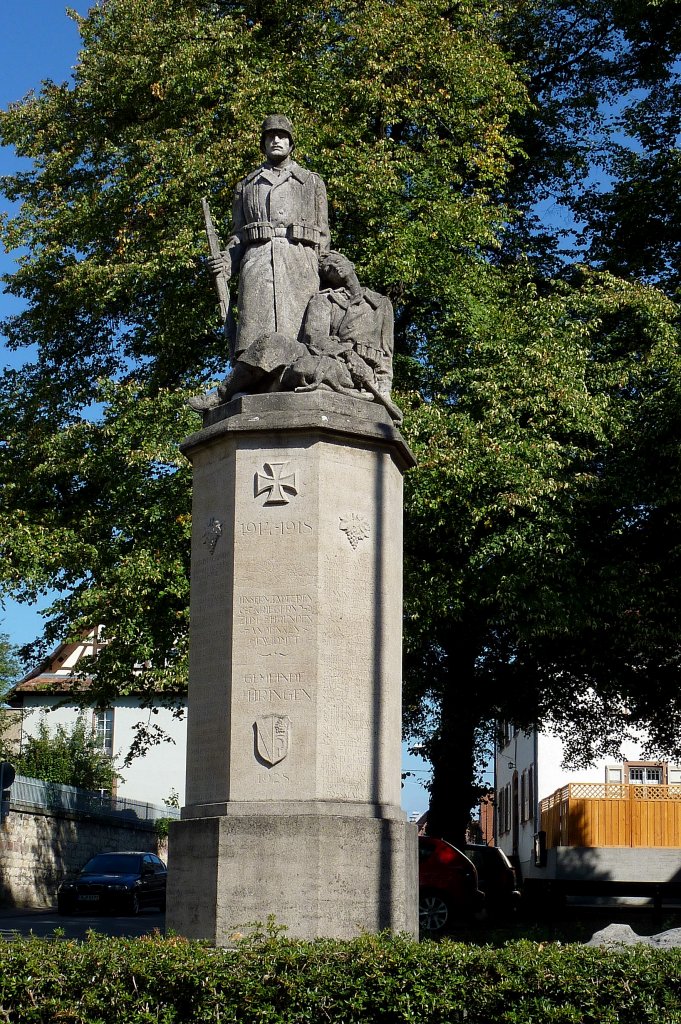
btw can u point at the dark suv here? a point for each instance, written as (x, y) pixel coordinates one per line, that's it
(448, 886)
(496, 877)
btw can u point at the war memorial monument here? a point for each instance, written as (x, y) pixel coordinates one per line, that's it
(294, 728)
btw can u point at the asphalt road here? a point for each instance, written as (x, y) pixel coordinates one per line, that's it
(44, 922)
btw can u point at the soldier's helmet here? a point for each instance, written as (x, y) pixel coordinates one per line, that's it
(273, 123)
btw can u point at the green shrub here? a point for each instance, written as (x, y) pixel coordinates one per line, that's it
(70, 756)
(366, 981)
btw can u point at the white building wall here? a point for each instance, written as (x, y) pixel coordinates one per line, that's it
(516, 824)
(150, 778)
(542, 752)
(552, 775)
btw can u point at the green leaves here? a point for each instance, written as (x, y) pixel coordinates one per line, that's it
(542, 523)
(403, 111)
(9, 666)
(371, 979)
(101, 510)
(70, 757)
(530, 554)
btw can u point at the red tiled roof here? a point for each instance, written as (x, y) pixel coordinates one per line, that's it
(51, 682)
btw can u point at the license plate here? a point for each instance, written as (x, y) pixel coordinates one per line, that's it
(95, 898)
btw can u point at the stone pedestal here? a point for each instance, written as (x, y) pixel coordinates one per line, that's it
(294, 727)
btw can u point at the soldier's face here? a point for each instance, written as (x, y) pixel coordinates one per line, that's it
(336, 270)
(277, 145)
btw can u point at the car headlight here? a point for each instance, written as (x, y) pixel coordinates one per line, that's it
(66, 885)
(118, 888)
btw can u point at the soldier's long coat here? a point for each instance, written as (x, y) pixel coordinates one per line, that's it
(280, 225)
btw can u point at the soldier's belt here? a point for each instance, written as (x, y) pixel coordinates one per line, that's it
(265, 231)
(375, 355)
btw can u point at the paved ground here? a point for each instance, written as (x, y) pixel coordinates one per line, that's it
(44, 922)
(573, 924)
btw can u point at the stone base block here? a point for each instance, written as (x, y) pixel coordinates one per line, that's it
(320, 876)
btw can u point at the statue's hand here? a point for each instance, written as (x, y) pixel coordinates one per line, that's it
(328, 345)
(219, 266)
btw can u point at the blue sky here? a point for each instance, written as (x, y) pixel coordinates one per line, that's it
(37, 41)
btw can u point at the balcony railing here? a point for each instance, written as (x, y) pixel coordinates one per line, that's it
(36, 794)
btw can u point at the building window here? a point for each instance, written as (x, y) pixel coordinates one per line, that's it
(504, 810)
(103, 726)
(507, 731)
(651, 775)
(644, 773)
(527, 794)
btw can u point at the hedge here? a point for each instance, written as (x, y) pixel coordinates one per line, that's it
(373, 979)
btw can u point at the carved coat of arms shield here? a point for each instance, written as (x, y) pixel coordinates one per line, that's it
(273, 737)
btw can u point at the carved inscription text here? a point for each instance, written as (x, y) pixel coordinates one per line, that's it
(275, 620)
(287, 528)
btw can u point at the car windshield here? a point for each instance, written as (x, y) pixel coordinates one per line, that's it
(112, 864)
(487, 856)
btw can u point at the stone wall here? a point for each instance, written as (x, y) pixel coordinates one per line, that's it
(609, 864)
(39, 848)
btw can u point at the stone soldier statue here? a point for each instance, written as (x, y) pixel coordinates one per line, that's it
(357, 322)
(346, 346)
(280, 226)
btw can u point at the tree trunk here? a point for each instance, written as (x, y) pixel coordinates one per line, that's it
(452, 751)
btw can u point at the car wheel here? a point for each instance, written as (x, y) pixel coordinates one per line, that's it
(434, 914)
(64, 908)
(162, 905)
(134, 904)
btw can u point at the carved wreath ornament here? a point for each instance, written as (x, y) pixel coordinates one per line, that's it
(355, 526)
(212, 533)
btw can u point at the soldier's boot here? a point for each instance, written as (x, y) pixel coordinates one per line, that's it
(236, 380)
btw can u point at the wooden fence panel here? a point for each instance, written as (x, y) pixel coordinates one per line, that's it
(595, 814)
(656, 823)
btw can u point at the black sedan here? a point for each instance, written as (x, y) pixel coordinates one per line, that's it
(115, 883)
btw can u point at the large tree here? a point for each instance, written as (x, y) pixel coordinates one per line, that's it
(533, 392)
(581, 627)
(9, 666)
(600, 142)
(542, 554)
(402, 108)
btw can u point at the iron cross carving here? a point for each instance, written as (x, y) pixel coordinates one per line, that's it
(275, 480)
